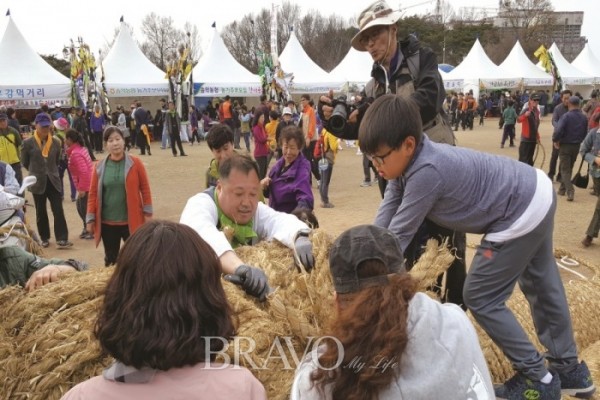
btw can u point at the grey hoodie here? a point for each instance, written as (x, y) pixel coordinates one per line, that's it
(442, 359)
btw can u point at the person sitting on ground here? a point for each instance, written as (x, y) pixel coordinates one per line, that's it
(231, 215)
(8, 179)
(220, 142)
(19, 267)
(165, 331)
(402, 333)
(288, 183)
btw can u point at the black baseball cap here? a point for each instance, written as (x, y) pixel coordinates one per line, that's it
(535, 97)
(362, 243)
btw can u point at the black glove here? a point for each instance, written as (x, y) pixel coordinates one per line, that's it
(253, 280)
(303, 252)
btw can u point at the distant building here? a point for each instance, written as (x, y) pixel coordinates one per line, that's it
(565, 32)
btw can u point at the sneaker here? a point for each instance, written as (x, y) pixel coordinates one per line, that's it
(578, 383)
(83, 234)
(570, 196)
(521, 387)
(561, 192)
(327, 205)
(365, 184)
(63, 244)
(88, 236)
(587, 241)
(45, 243)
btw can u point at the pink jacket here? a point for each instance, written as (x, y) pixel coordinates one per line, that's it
(80, 166)
(261, 148)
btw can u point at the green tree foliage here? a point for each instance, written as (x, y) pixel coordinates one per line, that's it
(58, 64)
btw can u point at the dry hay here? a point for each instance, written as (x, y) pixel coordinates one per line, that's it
(47, 345)
(29, 241)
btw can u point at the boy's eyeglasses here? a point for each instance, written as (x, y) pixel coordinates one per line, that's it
(379, 160)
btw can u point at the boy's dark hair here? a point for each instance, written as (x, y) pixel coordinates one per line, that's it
(292, 132)
(218, 136)
(273, 114)
(305, 97)
(388, 121)
(241, 162)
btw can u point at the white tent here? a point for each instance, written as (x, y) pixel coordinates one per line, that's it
(218, 73)
(128, 72)
(571, 76)
(355, 68)
(26, 79)
(517, 63)
(587, 62)
(478, 71)
(308, 76)
(451, 84)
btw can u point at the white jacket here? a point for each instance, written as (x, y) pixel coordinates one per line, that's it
(200, 213)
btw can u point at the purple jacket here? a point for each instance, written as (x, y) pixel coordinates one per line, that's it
(290, 189)
(96, 124)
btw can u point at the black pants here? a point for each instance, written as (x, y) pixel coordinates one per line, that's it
(262, 166)
(81, 205)
(553, 163)
(567, 154)
(18, 172)
(97, 138)
(367, 168)
(526, 152)
(142, 142)
(309, 152)
(457, 273)
(88, 144)
(61, 232)
(195, 135)
(508, 133)
(111, 239)
(176, 138)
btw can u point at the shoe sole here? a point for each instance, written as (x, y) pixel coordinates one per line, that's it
(579, 393)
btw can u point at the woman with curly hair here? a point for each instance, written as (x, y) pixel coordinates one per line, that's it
(164, 318)
(387, 341)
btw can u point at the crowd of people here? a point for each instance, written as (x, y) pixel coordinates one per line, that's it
(405, 126)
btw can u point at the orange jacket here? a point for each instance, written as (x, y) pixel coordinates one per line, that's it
(227, 110)
(137, 189)
(309, 124)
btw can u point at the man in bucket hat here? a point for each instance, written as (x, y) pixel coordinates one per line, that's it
(406, 69)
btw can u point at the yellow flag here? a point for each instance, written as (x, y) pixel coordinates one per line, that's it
(542, 54)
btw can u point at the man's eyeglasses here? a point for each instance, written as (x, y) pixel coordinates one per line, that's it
(379, 160)
(369, 35)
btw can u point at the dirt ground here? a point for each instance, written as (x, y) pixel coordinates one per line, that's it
(174, 179)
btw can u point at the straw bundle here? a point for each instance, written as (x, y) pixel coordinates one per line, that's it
(47, 345)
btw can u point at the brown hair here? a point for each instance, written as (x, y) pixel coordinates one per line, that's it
(292, 132)
(163, 299)
(371, 325)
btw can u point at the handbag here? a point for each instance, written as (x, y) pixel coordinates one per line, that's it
(579, 180)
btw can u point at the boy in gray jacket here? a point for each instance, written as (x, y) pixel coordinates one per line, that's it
(513, 206)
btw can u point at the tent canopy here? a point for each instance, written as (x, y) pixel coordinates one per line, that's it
(355, 68)
(128, 72)
(308, 76)
(478, 70)
(570, 75)
(218, 73)
(26, 78)
(517, 63)
(587, 62)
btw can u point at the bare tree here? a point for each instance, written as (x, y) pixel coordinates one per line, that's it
(528, 21)
(162, 39)
(326, 40)
(193, 41)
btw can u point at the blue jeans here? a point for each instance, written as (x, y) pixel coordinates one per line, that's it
(165, 141)
(324, 184)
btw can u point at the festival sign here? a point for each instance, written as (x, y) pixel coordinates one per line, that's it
(222, 89)
(500, 83)
(125, 90)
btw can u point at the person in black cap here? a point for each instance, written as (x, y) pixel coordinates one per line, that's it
(41, 156)
(388, 336)
(530, 136)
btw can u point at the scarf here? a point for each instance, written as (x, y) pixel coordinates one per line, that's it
(46, 148)
(97, 114)
(242, 235)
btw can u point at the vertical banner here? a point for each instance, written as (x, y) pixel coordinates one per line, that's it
(274, 34)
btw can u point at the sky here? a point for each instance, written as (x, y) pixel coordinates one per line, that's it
(50, 26)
